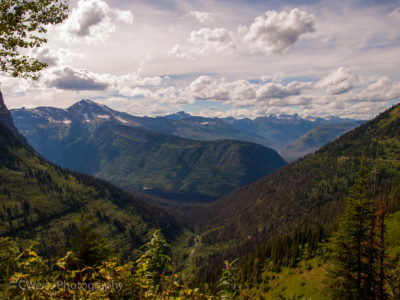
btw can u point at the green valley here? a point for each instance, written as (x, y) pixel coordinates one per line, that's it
(39, 201)
(305, 199)
(137, 159)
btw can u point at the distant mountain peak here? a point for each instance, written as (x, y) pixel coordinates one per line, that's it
(290, 117)
(178, 116)
(91, 110)
(86, 103)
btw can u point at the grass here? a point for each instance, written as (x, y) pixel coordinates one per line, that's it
(306, 280)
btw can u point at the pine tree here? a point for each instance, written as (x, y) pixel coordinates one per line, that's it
(155, 261)
(352, 269)
(88, 246)
(382, 264)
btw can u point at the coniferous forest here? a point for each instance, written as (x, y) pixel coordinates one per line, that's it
(347, 243)
(281, 182)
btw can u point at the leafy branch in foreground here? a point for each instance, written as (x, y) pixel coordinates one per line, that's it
(229, 282)
(23, 24)
(31, 277)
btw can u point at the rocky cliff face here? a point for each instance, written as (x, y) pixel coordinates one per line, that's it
(5, 115)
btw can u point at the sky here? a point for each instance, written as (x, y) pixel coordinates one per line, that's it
(220, 58)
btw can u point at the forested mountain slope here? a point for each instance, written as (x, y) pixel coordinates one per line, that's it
(315, 139)
(91, 139)
(309, 193)
(39, 201)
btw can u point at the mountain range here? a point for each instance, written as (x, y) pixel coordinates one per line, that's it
(272, 131)
(96, 140)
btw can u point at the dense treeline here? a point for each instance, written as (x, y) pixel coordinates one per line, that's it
(361, 267)
(303, 194)
(38, 201)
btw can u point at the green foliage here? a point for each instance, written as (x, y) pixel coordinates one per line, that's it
(352, 245)
(89, 248)
(362, 268)
(22, 25)
(308, 193)
(230, 283)
(8, 258)
(32, 278)
(155, 262)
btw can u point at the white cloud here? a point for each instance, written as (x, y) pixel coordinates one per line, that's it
(278, 91)
(213, 40)
(242, 92)
(352, 34)
(125, 16)
(13, 86)
(177, 52)
(92, 21)
(202, 17)
(381, 90)
(140, 108)
(173, 95)
(275, 32)
(136, 80)
(276, 77)
(68, 78)
(338, 82)
(54, 57)
(206, 88)
(137, 92)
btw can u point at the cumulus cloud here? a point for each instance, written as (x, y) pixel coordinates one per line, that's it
(206, 88)
(47, 56)
(275, 32)
(241, 90)
(93, 21)
(338, 82)
(54, 57)
(124, 16)
(68, 78)
(213, 40)
(136, 80)
(165, 95)
(277, 77)
(202, 17)
(137, 92)
(381, 90)
(333, 94)
(139, 108)
(177, 52)
(278, 91)
(242, 93)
